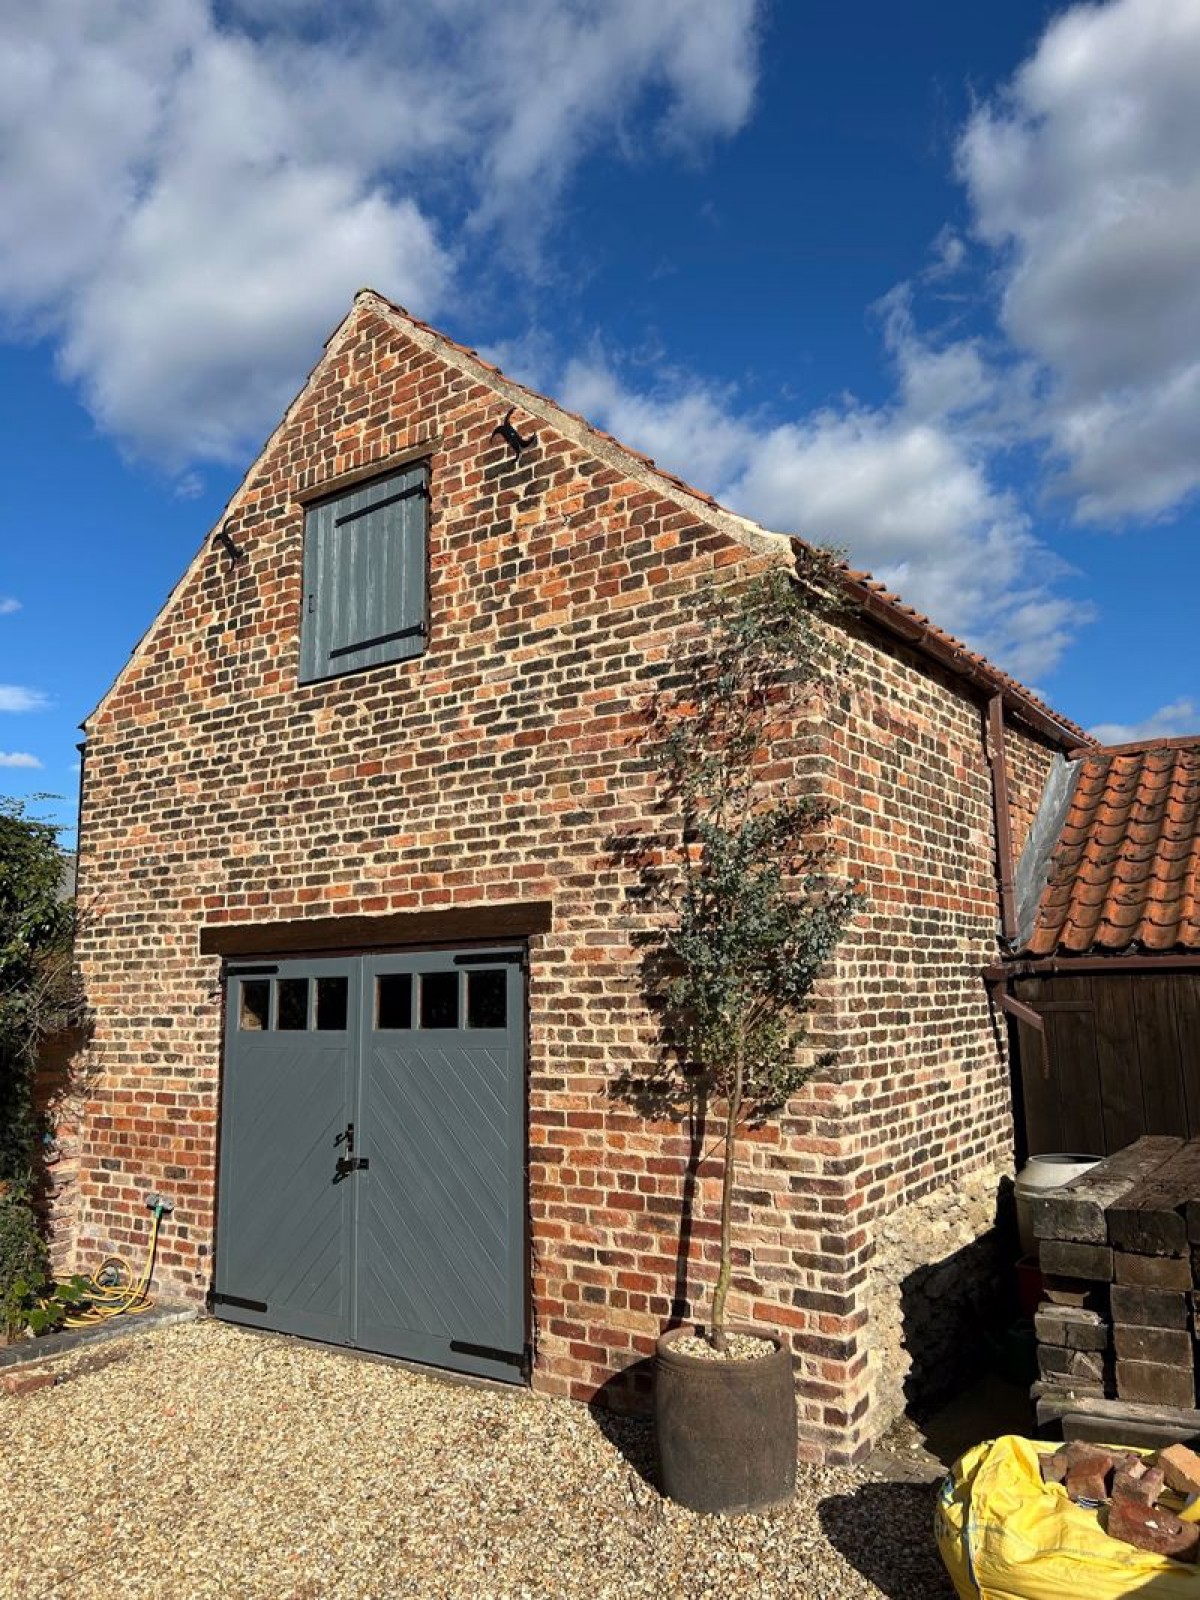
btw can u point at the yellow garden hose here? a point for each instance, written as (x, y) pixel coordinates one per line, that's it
(113, 1291)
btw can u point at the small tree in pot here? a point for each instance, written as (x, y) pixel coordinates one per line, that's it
(749, 916)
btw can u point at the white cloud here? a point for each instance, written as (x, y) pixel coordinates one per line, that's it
(1179, 719)
(8, 605)
(687, 425)
(906, 494)
(1084, 176)
(13, 697)
(189, 486)
(566, 75)
(191, 202)
(18, 758)
(953, 379)
(949, 255)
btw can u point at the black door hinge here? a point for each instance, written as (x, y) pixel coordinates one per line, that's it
(239, 1301)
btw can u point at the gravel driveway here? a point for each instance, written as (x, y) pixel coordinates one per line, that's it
(199, 1460)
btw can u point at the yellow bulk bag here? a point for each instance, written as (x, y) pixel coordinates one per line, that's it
(1004, 1535)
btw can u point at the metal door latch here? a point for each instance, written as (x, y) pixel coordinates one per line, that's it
(349, 1163)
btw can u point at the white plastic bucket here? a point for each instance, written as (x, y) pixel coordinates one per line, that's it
(1038, 1174)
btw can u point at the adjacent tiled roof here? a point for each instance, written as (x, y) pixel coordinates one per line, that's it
(1125, 874)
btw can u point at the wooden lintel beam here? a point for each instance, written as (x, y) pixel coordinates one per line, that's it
(456, 925)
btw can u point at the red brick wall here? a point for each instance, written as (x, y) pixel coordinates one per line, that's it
(494, 769)
(1028, 760)
(908, 772)
(925, 1101)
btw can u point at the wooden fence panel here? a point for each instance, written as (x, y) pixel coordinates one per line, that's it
(1072, 1030)
(1124, 1051)
(1187, 1016)
(1116, 1048)
(1039, 1090)
(1158, 1048)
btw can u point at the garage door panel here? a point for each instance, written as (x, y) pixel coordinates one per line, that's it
(283, 1256)
(417, 1247)
(446, 1106)
(463, 1245)
(432, 1150)
(288, 1221)
(310, 1275)
(459, 1090)
(428, 1170)
(399, 1297)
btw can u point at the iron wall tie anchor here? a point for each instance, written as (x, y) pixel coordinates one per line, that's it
(509, 434)
(225, 540)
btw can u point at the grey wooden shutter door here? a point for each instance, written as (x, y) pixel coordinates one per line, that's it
(364, 577)
(284, 1231)
(440, 1268)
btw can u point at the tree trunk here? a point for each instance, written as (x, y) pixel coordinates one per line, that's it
(721, 1293)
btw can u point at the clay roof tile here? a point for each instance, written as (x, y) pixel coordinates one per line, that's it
(1125, 873)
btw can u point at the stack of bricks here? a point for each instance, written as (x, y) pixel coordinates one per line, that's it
(1152, 1289)
(1120, 1257)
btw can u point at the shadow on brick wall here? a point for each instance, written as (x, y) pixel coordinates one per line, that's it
(660, 1090)
(956, 1312)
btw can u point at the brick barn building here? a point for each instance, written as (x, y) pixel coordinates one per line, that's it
(363, 969)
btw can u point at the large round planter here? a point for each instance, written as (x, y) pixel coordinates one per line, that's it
(726, 1429)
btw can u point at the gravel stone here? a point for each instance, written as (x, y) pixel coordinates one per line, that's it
(204, 1462)
(738, 1347)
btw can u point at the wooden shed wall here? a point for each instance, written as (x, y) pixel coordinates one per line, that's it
(1122, 1059)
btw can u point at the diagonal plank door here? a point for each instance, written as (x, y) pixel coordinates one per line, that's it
(373, 1155)
(284, 1219)
(439, 1216)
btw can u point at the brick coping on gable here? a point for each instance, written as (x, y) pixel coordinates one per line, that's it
(873, 598)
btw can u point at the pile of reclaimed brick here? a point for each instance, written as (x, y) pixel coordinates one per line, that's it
(1119, 1250)
(1125, 1490)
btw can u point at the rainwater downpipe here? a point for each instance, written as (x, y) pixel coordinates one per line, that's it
(1006, 875)
(1005, 870)
(1023, 1013)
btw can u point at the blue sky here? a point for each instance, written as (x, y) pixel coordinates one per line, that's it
(922, 280)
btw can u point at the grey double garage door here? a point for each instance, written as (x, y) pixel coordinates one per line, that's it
(371, 1188)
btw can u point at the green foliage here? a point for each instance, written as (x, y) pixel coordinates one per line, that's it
(24, 1267)
(753, 912)
(38, 991)
(749, 911)
(29, 1299)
